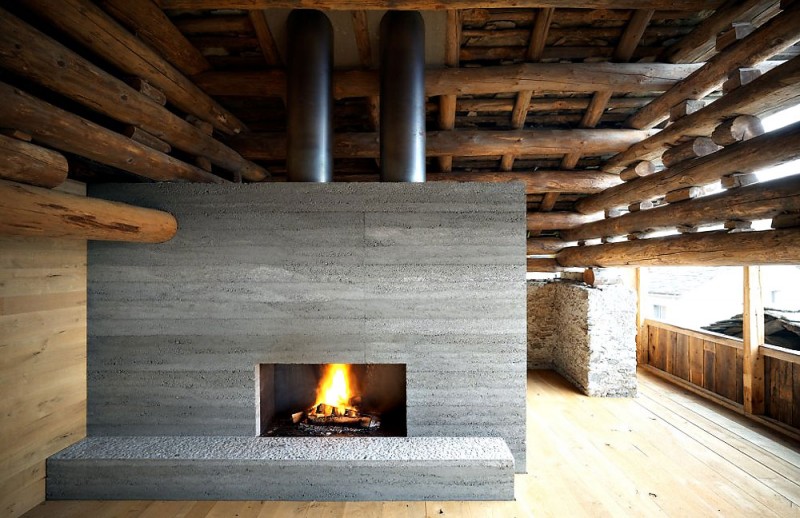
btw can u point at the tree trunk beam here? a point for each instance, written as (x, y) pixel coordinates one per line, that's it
(700, 249)
(539, 182)
(68, 132)
(687, 107)
(686, 193)
(638, 170)
(737, 129)
(773, 91)
(146, 19)
(732, 35)
(700, 42)
(757, 201)
(92, 27)
(540, 77)
(543, 265)
(790, 220)
(28, 163)
(590, 142)
(545, 245)
(749, 156)
(350, 5)
(143, 137)
(35, 56)
(773, 37)
(695, 148)
(34, 211)
(538, 221)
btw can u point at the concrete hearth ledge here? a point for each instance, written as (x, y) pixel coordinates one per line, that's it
(260, 468)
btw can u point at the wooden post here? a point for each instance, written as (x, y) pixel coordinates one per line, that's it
(641, 344)
(753, 381)
(34, 211)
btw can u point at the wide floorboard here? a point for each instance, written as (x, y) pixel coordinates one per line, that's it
(666, 453)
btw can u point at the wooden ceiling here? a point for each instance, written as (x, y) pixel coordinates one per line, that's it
(562, 98)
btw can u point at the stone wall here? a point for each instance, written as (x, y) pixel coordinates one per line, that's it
(590, 335)
(428, 275)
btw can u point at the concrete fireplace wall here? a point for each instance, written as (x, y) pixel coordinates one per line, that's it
(587, 334)
(429, 275)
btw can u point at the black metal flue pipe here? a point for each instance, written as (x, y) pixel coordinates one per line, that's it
(309, 97)
(402, 110)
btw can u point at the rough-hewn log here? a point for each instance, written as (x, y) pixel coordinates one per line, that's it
(775, 90)
(547, 104)
(34, 211)
(736, 129)
(540, 77)
(267, 146)
(749, 156)
(543, 265)
(545, 245)
(695, 148)
(776, 35)
(700, 249)
(28, 163)
(700, 42)
(145, 19)
(95, 29)
(34, 55)
(538, 221)
(68, 132)
(539, 182)
(758, 201)
(638, 170)
(349, 5)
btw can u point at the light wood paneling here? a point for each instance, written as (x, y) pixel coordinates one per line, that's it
(665, 453)
(42, 360)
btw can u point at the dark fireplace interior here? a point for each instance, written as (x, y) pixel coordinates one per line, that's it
(331, 400)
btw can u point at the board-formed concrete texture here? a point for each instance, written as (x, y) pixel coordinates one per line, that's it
(427, 275)
(258, 468)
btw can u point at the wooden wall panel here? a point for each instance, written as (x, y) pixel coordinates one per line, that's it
(42, 360)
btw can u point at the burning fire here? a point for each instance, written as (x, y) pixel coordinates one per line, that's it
(335, 387)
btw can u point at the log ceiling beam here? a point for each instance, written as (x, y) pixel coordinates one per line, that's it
(540, 77)
(65, 131)
(272, 146)
(28, 163)
(757, 201)
(539, 182)
(145, 19)
(31, 54)
(778, 34)
(775, 90)
(350, 5)
(749, 156)
(92, 27)
(538, 221)
(447, 103)
(38, 212)
(700, 249)
(699, 43)
(545, 245)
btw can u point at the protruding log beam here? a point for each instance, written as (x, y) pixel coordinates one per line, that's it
(736, 129)
(540, 77)
(545, 245)
(776, 35)
(700, 249)
(543, 265)
(349, 5)
(95, 29)
(700, 42)
(538, 221)
(695, 148)
(38, 57)
(267, 146)
(28, 163)
(547, 104)
(772, 148)
(68, 132)
(739, 78)
(538, 182)
(34, 211)
(146, 19)
(777, 89)
(638, 170)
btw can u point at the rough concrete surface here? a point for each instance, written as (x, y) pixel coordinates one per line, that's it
(258, 468)
(429, 275)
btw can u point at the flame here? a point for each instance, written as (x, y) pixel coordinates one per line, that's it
(335, 386)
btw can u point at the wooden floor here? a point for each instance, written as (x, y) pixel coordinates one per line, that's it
(665, 453)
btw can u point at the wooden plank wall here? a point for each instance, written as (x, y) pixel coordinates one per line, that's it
(782, 401)
(42, 360)
(703, 359)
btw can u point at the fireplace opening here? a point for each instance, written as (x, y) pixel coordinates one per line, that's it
(330, 400)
